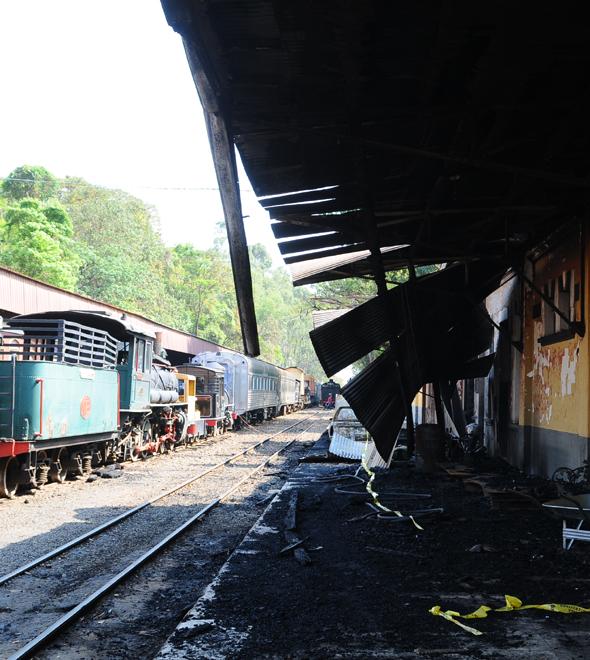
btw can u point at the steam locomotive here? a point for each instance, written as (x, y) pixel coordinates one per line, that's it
(80, 388)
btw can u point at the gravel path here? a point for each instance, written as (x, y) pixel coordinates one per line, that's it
(170, 584)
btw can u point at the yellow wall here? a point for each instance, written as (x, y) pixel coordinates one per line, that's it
(554, 378)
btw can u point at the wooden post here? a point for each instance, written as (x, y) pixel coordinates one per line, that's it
(379, 273)
(438, 404)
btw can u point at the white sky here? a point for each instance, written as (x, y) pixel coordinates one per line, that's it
(102, 90)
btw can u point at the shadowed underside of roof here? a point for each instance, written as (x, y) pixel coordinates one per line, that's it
(381, 135)
(458, 128)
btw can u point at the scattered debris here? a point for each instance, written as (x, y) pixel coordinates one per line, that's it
(482, 547)
(292, 546)
(392, 551)
(293, 540)
(265, 500)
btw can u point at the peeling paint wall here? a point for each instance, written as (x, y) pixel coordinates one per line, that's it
(554, 389)
(552, 384)
(533, 408)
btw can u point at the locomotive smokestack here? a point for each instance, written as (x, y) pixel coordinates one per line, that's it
(158, 344)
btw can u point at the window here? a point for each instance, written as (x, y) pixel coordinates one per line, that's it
(139, 354)
(563, 292)
(148, 355)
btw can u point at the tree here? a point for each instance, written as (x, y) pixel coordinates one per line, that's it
(201, 286)
(37, 241)
(259, 257)
(124, 261)
(30, 181)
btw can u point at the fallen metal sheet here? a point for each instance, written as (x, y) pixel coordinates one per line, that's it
(375, 397)
(345, 447)
(443, 299)
(443, 345)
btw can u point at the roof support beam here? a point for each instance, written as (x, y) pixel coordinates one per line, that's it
(224, 160)
(477, 163)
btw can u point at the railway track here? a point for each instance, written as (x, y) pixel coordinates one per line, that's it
(54, 568)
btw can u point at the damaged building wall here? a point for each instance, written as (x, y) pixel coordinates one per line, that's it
(535, 400)
(533, 407)
(553, 412)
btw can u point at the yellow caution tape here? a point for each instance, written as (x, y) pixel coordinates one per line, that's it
(512, 604)
(374, 494)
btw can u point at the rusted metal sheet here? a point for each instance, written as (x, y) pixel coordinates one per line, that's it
(20, 294)
(439, 298)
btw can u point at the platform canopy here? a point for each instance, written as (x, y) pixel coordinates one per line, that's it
(435, 131)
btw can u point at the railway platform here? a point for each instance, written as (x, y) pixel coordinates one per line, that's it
(363, 585)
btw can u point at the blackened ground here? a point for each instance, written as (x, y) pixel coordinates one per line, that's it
(371, 584)
(136, 618)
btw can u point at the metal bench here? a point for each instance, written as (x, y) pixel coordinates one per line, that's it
(572, 508)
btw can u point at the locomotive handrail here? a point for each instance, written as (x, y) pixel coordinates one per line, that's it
(13, 396)
(41, 382)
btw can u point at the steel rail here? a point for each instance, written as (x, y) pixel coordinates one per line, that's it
(126, 514)
(41, 640)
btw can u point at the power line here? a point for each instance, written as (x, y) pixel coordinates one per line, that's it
(71, 183)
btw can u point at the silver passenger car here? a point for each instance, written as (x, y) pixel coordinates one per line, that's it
(255, 389)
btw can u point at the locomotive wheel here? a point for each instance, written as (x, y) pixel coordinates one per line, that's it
(58, 472)
(9, 474)
(182, 421)
(146, 438)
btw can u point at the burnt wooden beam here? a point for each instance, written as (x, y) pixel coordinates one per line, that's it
(466, 161)
(318, 242)
(223, 153)
(211, 93)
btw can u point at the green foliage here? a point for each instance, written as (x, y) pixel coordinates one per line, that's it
(346, 293)
(36, 241)
(30, 181)
(105, 244)
(201, 285)
(124, 261)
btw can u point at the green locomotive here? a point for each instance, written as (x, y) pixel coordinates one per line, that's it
(77, 389)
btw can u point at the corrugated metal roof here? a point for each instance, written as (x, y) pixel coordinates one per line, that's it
(447, 294)
(20, 294)
(452, 125)
(321, 317)
(304, 271)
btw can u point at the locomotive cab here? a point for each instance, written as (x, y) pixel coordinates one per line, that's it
(134, 364)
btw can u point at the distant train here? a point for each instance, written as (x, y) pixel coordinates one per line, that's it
(79, 389)
(256, 390)
(328, 388)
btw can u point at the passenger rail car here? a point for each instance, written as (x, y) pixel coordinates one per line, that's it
(299, 375)
(256, 390)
